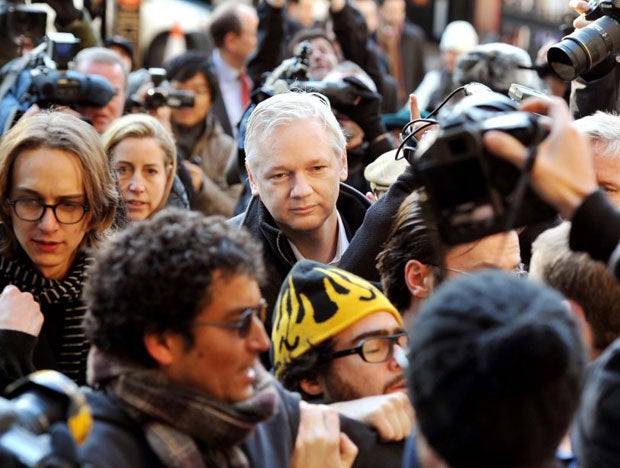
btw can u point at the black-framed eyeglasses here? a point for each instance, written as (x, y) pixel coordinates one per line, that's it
(376, 349)
(243, 325)
(65, 212)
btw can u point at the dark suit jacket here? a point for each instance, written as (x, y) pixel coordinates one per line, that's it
(219, 110)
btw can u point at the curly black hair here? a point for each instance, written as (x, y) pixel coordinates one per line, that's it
(309, 366)
(155, 276)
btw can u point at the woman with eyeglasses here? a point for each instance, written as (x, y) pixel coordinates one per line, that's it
(58, 202)
(143, 155)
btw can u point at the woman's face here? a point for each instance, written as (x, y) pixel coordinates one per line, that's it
(51, 177)
(140, 165)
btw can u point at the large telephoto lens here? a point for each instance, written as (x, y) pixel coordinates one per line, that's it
(585, 48)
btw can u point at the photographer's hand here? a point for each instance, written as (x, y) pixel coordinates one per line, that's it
(336, 6)
(580, 7)
(197, 175)
(563, 173)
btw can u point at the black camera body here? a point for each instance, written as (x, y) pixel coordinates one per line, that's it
(468, 193)
(42, 78)
(292, 75)
(40, 404)
(160, 95)
(585, 48)
(52, 83)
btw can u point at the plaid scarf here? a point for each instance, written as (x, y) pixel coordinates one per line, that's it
(183, 426)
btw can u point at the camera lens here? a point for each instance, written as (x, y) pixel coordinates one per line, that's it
(578, 52)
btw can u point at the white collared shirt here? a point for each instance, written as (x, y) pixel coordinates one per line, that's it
(230, 87)
(341, 247)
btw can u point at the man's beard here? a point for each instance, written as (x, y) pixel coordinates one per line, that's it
(336, 389)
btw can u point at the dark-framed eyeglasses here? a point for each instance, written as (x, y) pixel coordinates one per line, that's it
(243, 325)
(65, 212)
(376, 349)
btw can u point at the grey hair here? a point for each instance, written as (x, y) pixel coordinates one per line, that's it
(283, 109)
(100, 55)
(603, 128)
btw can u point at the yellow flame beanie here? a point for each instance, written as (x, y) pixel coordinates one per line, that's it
(316, 302)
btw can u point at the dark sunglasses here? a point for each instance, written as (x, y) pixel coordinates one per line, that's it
(243, 325)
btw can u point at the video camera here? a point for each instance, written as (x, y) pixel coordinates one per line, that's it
(585, 48)
(52, 83)
(42, 77)
(45, 417)
(292, 75)
(161, 94)
(468, 193)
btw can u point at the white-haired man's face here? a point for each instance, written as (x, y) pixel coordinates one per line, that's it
(298, 178)
(607, 169)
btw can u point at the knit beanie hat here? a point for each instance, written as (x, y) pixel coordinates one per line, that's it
(495, 370)
(316, 302)
(459, 36)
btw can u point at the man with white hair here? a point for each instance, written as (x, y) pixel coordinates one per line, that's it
(296, 158)
(603, 130)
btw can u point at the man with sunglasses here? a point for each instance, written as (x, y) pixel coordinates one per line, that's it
(336, 337)
(173, 306)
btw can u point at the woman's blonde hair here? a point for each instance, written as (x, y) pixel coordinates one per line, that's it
(144, 126)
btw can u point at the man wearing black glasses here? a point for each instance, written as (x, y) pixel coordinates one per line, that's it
(336, 337)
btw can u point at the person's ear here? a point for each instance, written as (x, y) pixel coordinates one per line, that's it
(230, 40)
(344, 170)
(312, 387)
(160, 347)
(251, 180)
(586, 330)
(417, 279)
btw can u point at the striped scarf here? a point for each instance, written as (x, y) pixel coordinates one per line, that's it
(61, 305)
(184, 427)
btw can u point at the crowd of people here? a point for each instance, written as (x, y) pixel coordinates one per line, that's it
(236, 270)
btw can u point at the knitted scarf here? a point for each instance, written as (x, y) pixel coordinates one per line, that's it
(20, 272)
(184, 427)
(61, 304)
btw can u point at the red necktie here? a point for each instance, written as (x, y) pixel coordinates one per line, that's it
(245, 89)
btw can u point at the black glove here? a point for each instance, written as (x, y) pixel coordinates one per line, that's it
(66, 13)
(366, 110)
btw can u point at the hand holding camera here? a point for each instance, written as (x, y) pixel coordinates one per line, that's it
(562, 173)
(469, 192)
(589, 49)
